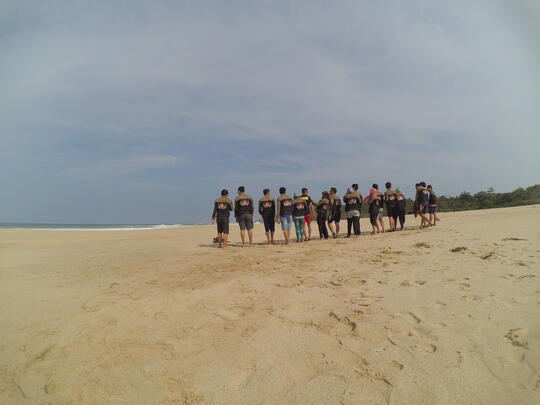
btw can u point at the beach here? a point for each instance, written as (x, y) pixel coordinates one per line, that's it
(445, 315)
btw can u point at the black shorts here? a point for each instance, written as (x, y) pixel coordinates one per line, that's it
(269, 224)
(245, 221)
(432, 209)
(392, 212)
(223, 225)
(335, 218)
(373, 216)
(422, 208)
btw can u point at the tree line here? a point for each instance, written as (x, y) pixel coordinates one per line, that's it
(481, 200)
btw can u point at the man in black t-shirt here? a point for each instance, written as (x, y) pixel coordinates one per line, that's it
(267, 209)
(335, 213)
(220, 216)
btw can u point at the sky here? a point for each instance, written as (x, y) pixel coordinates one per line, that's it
(141, 112)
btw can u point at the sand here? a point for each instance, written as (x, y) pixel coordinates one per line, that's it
(447, 315)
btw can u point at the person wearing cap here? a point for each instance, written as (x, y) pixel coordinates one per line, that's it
(220, 216)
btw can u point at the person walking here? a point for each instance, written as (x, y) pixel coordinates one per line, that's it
(401, 207)
(323, 210)
(423, 202)
(390, 199)
(353, 204)
(220, 216)
(284, 211)
(299, 212)
(243, 211)
(335, 212)
(308, 218)
(267, 209)
(432, 207)
(374, 203)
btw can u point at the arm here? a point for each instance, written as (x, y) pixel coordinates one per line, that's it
(214, 213)
(235, 208)
(278, 205)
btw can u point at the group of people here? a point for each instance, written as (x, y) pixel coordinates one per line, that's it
(301, 209)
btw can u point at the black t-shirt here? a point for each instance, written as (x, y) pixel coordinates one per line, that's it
(286, 206)
(336, 205)
(300, 207)
(352, 202)
(432, 198)
(243, 205)
(322, 208)
(390, 198)
(401, 203)
(222, 208)
(423, 196)
(267, 208)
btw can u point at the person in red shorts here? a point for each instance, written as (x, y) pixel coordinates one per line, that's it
(308, 217)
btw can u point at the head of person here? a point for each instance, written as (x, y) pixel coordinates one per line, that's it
(266, 191)
(325, 194)
(305, 191)
(429, 187)
(224, 193)
(282, 190)
(241, 189)
(355, 187)
(375, 186)
(388, 185)
(417, 185)
(423, 184)
(333, 190)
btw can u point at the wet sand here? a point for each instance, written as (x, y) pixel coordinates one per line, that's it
(446, 315)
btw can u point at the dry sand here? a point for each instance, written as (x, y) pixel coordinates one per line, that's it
(162, 317)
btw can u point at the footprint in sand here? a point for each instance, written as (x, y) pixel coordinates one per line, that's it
(425, 348)
(515, 337)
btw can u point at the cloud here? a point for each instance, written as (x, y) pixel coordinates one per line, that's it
(195, 95)
(104, 169)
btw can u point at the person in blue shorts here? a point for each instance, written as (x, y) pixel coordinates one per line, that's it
(284, 212)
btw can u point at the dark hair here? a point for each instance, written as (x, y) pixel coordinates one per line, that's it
(417, 184)
(429, 186)
(241, 189)
(304, 190)
(355, 186)
(423, 184)
(325, 194)
(333, 189)
(224, 192)
(282, 190)
(388, 184)
(266, 191)
(376, 187)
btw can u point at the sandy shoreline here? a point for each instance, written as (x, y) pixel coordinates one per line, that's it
(161, 317)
